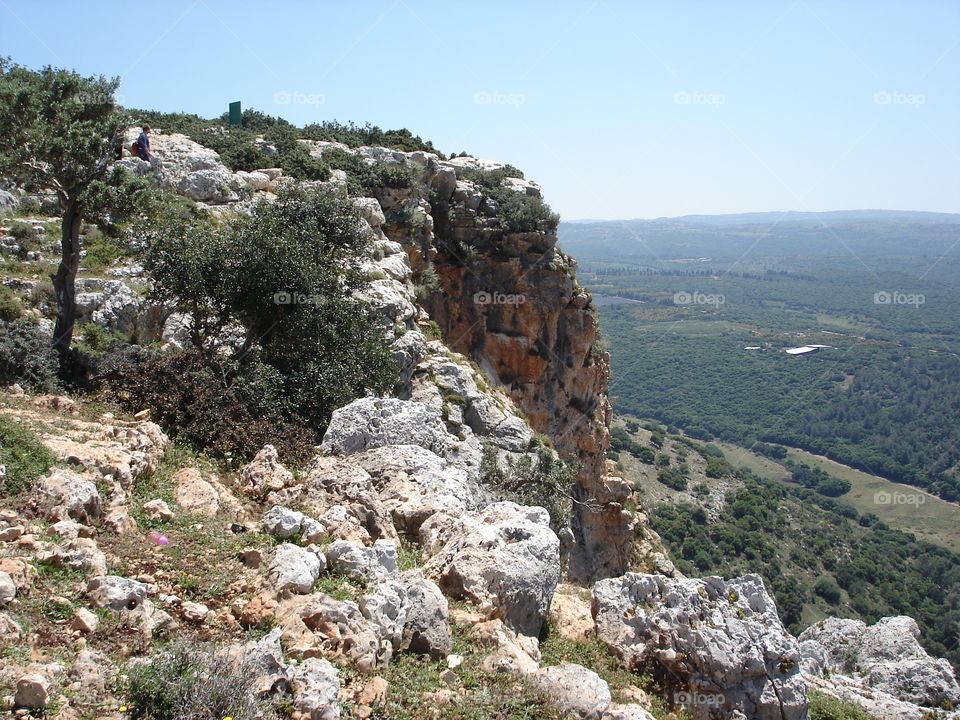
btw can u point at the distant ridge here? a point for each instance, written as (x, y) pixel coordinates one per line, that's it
(829, 217)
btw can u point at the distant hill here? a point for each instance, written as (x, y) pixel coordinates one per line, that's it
(863, 232)
(830, 217)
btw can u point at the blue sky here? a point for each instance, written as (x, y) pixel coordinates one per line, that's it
(619, 109)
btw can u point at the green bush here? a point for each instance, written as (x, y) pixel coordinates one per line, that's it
(23, 455)
(518, 212)
(825, 707)
(11, 307)
(546, 481)
(282, 281)
(27, 356)
(194, 684)
(95, 339)
(24, 232)
(673, 478)
(828, 590)
(356, 135)
(365, 179)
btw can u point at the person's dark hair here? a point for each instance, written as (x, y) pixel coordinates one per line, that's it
(146, 128)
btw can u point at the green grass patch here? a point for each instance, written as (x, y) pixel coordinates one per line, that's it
(24, 457)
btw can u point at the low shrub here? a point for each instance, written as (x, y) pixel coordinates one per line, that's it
(825, 707)
(27, 357)
(226, 413)
(518, 212)
(673, 478)
(189, 683)
(11, 307)
(546, 481)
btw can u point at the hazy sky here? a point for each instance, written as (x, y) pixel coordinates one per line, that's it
(619, 109)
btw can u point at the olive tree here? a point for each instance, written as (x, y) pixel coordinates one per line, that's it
(60, 132)
(275, 294)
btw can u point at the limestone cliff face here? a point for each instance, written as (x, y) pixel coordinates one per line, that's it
(507, 300)
(510, 301)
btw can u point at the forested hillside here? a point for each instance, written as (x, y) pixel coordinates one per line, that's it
(818, 554)
(685, 303)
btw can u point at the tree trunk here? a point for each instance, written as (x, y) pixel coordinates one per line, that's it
(64, 282)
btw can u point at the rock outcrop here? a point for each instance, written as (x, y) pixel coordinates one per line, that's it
(510, 302)
(505, 559)
(884, 659)
(719, 644)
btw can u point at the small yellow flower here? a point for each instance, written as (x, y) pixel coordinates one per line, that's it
(228, 718)
(123, 708)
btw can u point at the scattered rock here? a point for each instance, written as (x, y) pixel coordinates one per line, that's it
(22, 572)
(33, 691)
(716, 639)
(204, 494)
(194, 612)
(194, 494)
(319, 625)
(10, 630)
(64, 493)
(574, 689)
(118, 520)
(570, 614)
(363, 563)
(251, 557)
(316, 688)
(411, 612)
(8, 590)
(90, 672)
(627, 712)
(263, 662)
(84, 621)
(69, 529)
(79, 554)
(282, 523)
(158, 510)
(295, 568)
(265, 474)
(117, 593)
(256, 613)
(509, 652)
(11, 534)
(505, 559)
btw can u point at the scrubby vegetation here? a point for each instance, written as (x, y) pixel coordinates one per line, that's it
(279, 285)
(545, 481)
(241, 148)
(516, 212)
(190, 683)
(27, 357)
(825, 707)
(880, 400)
